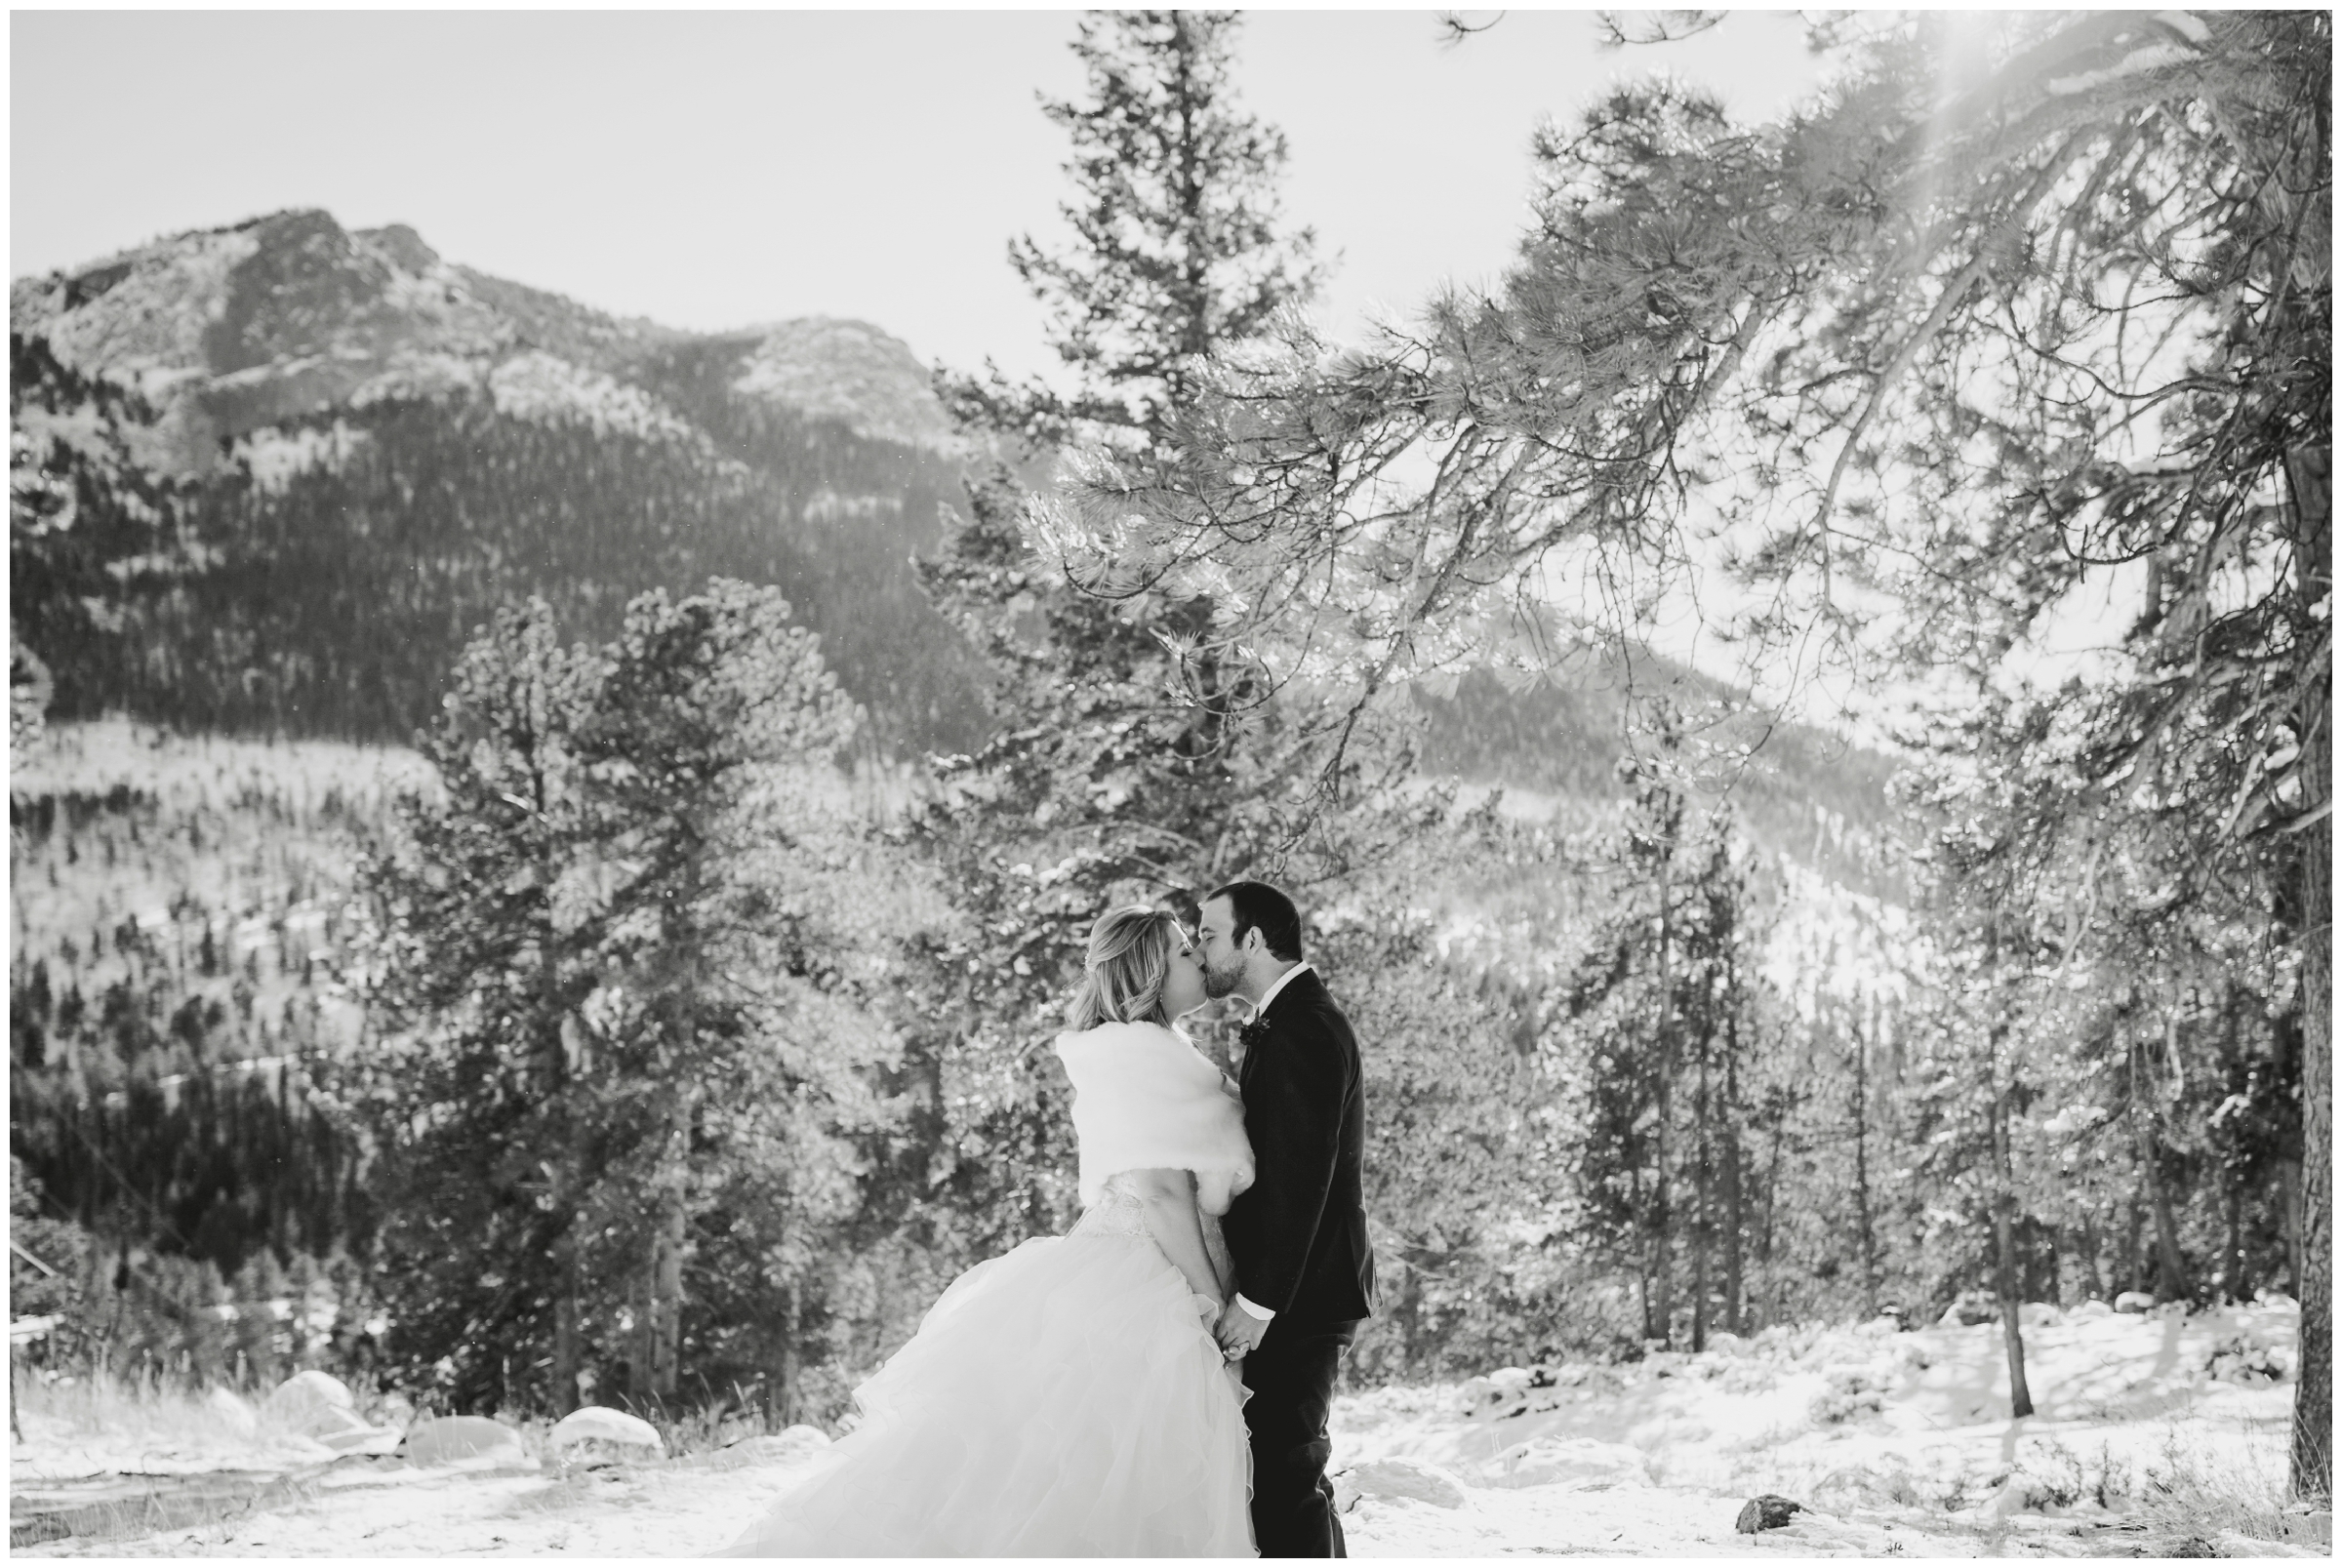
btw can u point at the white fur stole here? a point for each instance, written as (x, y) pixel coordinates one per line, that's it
(1144, 1099)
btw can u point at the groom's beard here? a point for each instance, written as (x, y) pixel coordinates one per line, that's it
(1219, 983)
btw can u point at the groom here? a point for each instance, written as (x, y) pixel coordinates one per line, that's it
(1304, 1271)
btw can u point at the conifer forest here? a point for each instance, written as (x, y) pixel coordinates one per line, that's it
(564, 869)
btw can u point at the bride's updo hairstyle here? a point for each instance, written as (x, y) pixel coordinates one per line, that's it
(1130, 959)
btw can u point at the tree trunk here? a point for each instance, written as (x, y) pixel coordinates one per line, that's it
(1772, 1178)
(2232, 1266)
(2005, 1243)
(2013, 1331)
(1862, 1173)
(2133, 1264)
(667, 1297)
(1735, 1217)
(2311, 472)
(1702, 1186)
(568, 1350)
(2288, 1198)
(2172, 1280)
(1663, 1300)
(785, 1403)
(2171, 1271)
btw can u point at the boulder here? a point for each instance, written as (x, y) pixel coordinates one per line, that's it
(312, 1403)
(1503, 1392)
(2307, 1525)
(1408, 1478)
(360, 1438)
(345, 1431)
(599, 1424)
(232, 1411)
(1509, 1380)
(2023, 1492)
(471, 1441)
(1888, 1485)
(2134, 1301)
(1767, 1511)
(2248, 1361)
(1547, 1461)
(2040, 1315)
(1973, 1307)
(790, 1446)
(2091, 1309)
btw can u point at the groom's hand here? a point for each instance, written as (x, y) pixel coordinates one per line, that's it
(1239, 1332)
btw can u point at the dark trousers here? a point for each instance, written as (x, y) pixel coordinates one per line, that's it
(1291, 1376)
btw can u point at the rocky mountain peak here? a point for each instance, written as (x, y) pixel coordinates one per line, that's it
(851, 371)
(232, 330)
(403, 246)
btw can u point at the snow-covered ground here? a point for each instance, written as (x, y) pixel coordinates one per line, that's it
(2151, 1432)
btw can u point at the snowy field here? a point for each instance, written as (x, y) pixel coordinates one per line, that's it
(2156, 1435)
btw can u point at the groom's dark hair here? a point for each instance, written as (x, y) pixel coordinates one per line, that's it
(1258, 905)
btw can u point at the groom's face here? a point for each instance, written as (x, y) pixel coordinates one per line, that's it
(1223, 959)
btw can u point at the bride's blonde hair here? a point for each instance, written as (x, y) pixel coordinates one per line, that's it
(1130, 959)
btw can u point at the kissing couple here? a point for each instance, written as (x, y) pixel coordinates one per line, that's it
(1155, 1381)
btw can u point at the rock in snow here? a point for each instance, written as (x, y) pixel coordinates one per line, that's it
(599, 1424)
(233, 1410)
(784, 1447)
(312, 1403)
(1408, 1478)
(2134, 1301)
(1771, 1511)
(471, 1441)
(318, 1405)
(1549, 1459)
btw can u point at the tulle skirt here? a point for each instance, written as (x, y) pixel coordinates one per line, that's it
(1066, 1400)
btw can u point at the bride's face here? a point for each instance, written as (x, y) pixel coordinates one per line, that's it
(1183, 986)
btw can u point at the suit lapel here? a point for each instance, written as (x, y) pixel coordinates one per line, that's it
(1283, 1002)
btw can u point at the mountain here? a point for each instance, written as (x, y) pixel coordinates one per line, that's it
(270, 476)
(267, 478)
(1803, 795)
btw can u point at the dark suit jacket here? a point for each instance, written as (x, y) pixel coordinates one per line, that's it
(1298, 1234)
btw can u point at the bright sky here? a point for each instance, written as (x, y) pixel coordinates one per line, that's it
(718, 169)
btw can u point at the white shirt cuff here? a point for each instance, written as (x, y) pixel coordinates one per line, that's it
(1261, 1312)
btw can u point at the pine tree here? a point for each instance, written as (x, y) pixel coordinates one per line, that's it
(1178, 251)
(1657, 1002)
(1979, 327)
(622, 988)
(1131, 757)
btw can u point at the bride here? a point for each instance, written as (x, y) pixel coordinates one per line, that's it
(1067, 1399)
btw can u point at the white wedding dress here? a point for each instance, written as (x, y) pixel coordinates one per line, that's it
(1065, 1400)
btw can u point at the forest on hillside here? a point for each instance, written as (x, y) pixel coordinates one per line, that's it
(330, 601)
(689, 1065)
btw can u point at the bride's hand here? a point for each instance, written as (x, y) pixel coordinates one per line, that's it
(1207, 1307)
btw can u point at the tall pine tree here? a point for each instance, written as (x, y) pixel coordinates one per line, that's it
(1128, 760)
